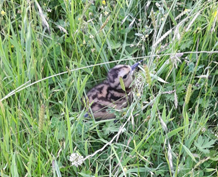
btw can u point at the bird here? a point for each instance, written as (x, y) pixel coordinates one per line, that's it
(113, 92)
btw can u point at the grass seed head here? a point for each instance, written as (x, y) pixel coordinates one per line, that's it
(41, 117)
(147, 73)
(188, 94)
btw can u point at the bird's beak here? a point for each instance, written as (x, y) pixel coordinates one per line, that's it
(135, 65)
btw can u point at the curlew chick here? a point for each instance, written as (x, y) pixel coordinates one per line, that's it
(109, 94)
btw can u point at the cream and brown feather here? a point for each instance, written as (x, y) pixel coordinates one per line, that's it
(109, 94)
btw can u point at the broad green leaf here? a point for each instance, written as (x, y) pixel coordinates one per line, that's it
(189, 141)
(203, 144)
(210, 169)
(173, 132)
(114, 45)
(14, 169)
(122, 84)
(189, 152)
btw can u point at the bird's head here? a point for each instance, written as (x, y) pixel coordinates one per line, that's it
(121, 71)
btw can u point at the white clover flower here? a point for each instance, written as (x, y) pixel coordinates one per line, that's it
(203, 129)
(106, 13)
(76, 159)
(132, 45)
(138, 94)
(123, 130)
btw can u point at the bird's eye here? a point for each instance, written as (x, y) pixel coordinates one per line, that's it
(125, 76)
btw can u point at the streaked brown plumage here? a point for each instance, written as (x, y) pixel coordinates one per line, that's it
(109, 93)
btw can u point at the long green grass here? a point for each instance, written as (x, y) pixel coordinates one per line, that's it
(53, 52)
